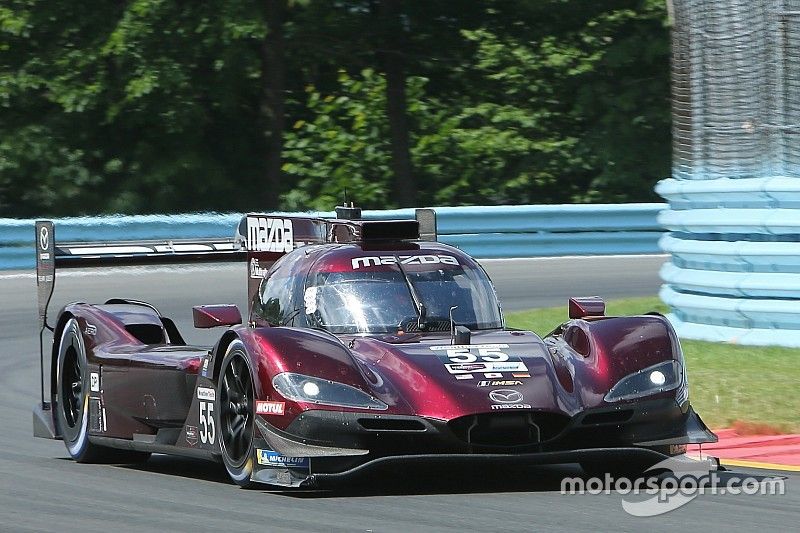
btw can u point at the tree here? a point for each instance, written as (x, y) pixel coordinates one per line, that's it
(392, 63)
(162, 106)
(272, 104)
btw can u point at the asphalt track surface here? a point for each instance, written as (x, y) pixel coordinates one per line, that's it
(42, 490)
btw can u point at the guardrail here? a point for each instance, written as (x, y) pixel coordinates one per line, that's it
(735, 246)
(484, 232)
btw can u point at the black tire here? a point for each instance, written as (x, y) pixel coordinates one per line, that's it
(236, 414)
(71, 401)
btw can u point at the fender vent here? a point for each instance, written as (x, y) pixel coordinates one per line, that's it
(95, 415)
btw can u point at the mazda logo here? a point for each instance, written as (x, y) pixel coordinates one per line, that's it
(505, 396)
(44, 238)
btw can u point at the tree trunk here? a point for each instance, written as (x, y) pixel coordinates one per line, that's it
(272, 100)
(404, 186)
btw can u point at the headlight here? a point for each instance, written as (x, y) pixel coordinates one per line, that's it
(652, 380)
(302, 388)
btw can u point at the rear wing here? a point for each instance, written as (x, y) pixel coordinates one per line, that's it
(259, 239)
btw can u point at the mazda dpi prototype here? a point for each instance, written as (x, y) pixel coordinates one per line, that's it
(367, 343)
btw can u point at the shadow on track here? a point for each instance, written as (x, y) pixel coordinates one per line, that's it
(409, 480)
(384, 481)
(406, 480)
(182, 467)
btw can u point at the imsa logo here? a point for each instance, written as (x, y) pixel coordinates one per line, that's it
(269, 235)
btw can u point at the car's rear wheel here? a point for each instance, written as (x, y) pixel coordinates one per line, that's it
(236, 412)
(71, 401)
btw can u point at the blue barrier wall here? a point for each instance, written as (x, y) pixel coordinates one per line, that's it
(735, 269)
(734, 195)
(484, 232)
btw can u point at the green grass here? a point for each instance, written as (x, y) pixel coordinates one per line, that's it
(727, 382)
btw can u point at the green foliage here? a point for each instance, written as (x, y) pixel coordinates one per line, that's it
(158, 106)
(343, 147)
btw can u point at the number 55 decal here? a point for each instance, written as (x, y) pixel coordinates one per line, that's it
(208, 429)
(487, 353)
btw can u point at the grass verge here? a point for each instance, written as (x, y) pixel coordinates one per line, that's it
(728, 384)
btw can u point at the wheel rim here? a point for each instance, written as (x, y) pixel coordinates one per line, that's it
(237, 417)
(71, 387)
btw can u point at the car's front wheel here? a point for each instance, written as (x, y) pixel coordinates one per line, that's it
(236, 412)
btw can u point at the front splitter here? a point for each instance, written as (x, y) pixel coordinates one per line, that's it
(632, 454)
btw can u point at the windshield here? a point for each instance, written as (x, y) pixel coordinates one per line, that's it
(379, 300)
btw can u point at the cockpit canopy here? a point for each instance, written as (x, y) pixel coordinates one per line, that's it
(384, 294)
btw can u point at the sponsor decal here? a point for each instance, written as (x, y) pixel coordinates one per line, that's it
(499, 406)
(491, 370)
(505, 396)
(310, 300)
(269, 408)
(362, 262)
(500, 383)
(511, 366)
(461, 368)
(44, 239)
(205, 393)
(269, 235)
(465, 376)
(94, 382)
(91, 329)
(270, 458)
(206, 359)
(468, 347)
(521, 375)
(256, 271)
(191, 435)
(44, 257)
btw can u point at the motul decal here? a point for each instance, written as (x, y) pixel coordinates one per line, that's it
(374, 260)
(269, 235)
(269, 408)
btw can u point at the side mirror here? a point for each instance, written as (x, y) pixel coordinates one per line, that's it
(210, 316)
(586, 306)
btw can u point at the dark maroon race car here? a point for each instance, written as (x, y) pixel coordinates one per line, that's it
(367, 343)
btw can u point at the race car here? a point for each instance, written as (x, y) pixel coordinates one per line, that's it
(366, 343)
